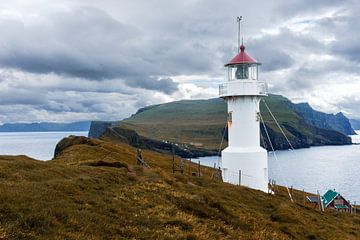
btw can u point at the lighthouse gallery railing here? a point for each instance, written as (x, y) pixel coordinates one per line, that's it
(243, 88)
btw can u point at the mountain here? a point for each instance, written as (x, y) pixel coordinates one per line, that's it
(94, 189)
(45, 127)
(355, 124)
(200, 124)
(336, 122)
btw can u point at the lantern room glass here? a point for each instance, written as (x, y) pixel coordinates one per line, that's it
(243, 72)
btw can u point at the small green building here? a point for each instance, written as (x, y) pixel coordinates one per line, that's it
(333, 199)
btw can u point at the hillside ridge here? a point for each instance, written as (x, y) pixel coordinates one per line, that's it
(200, 124)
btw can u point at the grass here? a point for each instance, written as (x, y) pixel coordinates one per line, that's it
(194, 122)
(94, 190)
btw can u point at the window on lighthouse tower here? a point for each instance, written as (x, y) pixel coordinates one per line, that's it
(242, 71)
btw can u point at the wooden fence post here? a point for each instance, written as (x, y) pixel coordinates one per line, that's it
(173, 158)
(355, 208)
(320, 202)
(189, 166)
(239, 177)
(182, 166)
(304, 198)
(199, 169)
(318, 195)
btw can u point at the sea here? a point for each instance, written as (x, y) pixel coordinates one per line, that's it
(315, 169)
(312, 169)
(38, 145)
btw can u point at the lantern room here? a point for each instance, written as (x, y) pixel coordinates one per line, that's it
(243, 67)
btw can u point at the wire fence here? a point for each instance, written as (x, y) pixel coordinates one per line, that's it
(241, 178)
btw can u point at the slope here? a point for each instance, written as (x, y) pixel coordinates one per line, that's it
(93, 190)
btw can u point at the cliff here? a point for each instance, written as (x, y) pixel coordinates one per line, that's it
(355, 124)
(337, 122)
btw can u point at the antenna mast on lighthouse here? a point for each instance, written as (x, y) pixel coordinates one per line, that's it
(238, 19)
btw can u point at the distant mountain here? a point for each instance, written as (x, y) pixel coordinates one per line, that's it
(45, 127)
(355, 124)
(200, 124)
(337, 122)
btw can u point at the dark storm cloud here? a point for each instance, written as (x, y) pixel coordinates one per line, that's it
(89, 43)
(103, 59)
(272, 54)
(347, 44)
(167, 85)
(21, 96)
(274, 51)
(85, 43)
(79, 42)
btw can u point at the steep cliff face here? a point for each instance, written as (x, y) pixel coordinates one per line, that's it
(337, 122)
(301, 139)
(97, 128)
(355, 124)
(198, 126)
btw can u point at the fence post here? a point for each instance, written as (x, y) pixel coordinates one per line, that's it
(182, 166)
(355, 208)
(199, 169)
(304, 198)
(173, 158)
(320, 202)
(318, 195)
(239, 177)
(189, 166)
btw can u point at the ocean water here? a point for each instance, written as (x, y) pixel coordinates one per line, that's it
(39, 145)
(316, 168)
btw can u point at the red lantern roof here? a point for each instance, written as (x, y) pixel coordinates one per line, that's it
(242, 57)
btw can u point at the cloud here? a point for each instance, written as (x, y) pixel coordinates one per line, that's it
(84, 43)
(71, 60)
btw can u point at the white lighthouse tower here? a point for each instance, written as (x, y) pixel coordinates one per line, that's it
(244, 161)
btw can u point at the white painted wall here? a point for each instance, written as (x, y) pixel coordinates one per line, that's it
(253, 164)
(244, 151)
(245, 129)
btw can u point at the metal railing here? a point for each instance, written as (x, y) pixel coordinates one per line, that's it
(243, 88)
(222, 89)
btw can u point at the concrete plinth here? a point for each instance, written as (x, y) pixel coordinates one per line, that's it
(251, 161)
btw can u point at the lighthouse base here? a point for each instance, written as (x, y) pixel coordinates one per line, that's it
(245, 166)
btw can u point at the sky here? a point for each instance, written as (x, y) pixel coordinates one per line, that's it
(64, 61)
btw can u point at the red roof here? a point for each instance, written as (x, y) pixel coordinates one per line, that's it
(242, 57)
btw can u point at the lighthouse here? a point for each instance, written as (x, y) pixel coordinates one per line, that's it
(244, 161)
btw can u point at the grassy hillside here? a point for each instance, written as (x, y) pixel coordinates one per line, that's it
(201, 123)
(195, 122)
(93, 190)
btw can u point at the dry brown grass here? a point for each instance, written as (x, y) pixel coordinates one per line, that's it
(67, 198)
